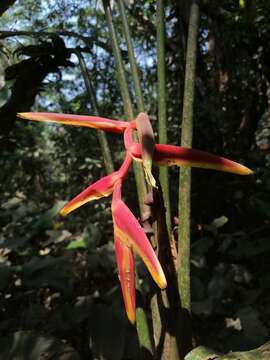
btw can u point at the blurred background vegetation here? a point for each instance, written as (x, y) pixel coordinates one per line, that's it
(58, 280)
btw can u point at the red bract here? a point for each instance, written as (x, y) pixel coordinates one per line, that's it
(128, 230)
(169, 155)
(125, 263)
(129, 236)
(101, 188)
(95, 122)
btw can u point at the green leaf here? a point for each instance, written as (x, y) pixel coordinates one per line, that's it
(89, 239)
(77, 244)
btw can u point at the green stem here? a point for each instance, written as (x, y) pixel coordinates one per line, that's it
(170, 348)
(185, 173)
(120, 70)
(162, 106)
(131, 55)
(141, 324)
(105, 149)
(121, 76)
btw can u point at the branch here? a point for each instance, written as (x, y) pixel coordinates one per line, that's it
(5, 4)
(86, 39)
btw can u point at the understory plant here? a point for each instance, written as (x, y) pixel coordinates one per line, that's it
(129, 235)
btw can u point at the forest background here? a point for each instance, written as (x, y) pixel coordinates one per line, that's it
(58, 277)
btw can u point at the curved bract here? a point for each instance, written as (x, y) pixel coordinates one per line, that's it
(101, 188)
(125, 264)
(169, 155)
(129, 231)
(95, 191)
(95, 122)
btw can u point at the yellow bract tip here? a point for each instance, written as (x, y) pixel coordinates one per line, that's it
(63, 212)
(22, 115)
(247, 171)
(147, 166)
(131, 317)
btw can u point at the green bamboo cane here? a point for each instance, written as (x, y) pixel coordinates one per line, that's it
(169, 342)
(105, 149)
(141, 324)
(162, 106)
(170, 348)
(133, 63)
(123, 85)
(185, 173)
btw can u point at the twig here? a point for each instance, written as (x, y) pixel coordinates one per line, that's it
(86, 39)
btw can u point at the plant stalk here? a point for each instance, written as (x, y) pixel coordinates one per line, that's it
(162, 106)
(131, 55)
(123, 85)
(185, 173)
(105, 149)
(141, 324)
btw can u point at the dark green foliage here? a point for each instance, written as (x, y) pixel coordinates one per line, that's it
(28, 75)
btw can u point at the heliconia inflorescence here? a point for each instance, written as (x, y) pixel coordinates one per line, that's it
(129, 236)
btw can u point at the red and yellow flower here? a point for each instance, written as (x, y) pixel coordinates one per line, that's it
(129, 236)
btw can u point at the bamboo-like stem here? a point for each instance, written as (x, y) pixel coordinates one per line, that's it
(141, 323)
(105, 149)
(170, 348)
(120, 70)
(143, 330)
(185, 173)
(131, 55)
(123, 85)
(162, 106)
